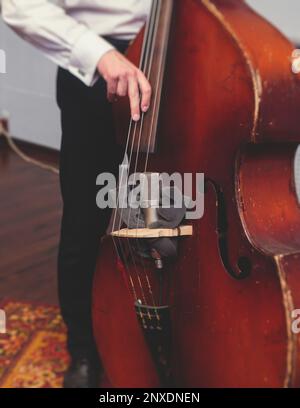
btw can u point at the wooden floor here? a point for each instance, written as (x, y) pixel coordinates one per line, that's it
(30, 209)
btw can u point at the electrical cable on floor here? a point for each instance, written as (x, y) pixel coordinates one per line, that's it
(22, 155)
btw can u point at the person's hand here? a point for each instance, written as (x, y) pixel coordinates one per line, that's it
(123, 78)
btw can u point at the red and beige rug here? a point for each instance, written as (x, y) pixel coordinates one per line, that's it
(32, 352)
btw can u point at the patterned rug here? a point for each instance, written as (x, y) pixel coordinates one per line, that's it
(32, 352)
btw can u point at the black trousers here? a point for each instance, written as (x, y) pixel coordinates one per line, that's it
(88, 148)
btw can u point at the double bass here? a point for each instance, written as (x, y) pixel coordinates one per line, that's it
(225, 104)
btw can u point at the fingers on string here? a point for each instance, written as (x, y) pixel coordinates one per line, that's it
(134, 98)
(122, 88)
(145, 90)
(112, 85)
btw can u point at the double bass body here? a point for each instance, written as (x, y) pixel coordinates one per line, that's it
(229, 110)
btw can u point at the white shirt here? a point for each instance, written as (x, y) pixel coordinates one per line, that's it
(68, 32)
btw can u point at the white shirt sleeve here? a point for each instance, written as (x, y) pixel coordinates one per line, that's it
(61, 38)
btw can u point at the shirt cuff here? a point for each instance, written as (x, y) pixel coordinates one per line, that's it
(85, 56)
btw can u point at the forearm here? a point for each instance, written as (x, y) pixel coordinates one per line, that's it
(61, 38)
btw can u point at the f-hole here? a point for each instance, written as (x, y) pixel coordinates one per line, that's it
(243, 265)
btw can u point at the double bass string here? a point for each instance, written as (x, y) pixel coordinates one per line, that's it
(143, 54)
(120, 243)
(144, 58)
(147, 70)
(152, 122)
(127, 239)
(131, 124)
(146, 67)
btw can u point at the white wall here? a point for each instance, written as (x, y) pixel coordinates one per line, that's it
(27, 90)
(285, 14)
